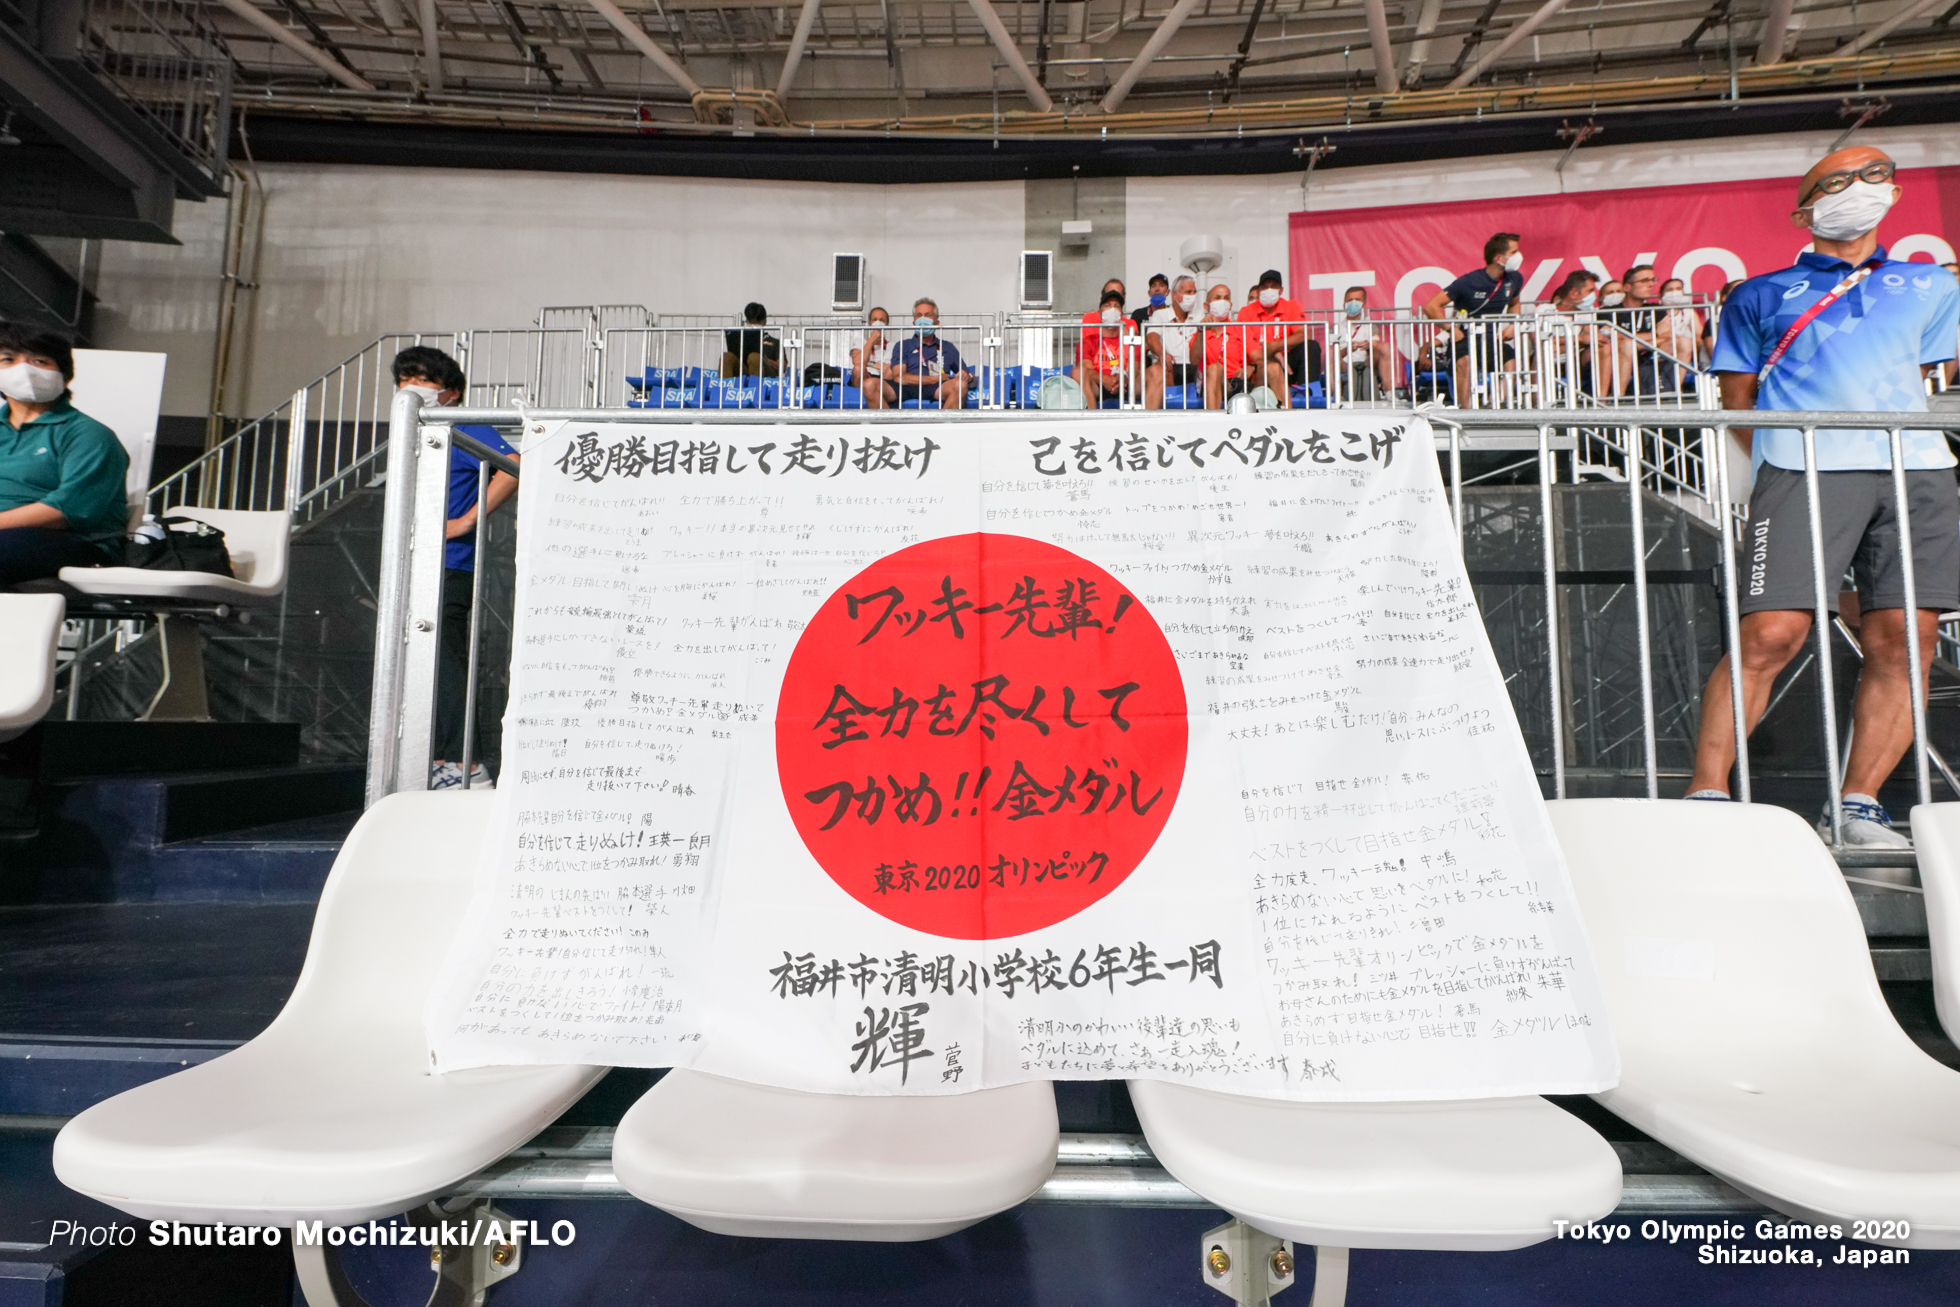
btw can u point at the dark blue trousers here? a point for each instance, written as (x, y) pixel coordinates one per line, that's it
(31, 553)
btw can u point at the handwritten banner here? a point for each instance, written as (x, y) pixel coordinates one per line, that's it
(920, 757)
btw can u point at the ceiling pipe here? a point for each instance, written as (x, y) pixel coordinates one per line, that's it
(804, 23)
(1886, 28)
(1543, 15)
(319, 58)
(1776, 32)
(431, 44)
(1384, 53)
(1151, 49)
(1004, 42)
(1426, 20)
(636, 36)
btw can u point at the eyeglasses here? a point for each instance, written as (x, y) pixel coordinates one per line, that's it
(1832, 182)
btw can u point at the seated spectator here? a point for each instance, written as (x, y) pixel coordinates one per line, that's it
(1613, 362)
(1279, 355)
(751, 351)
(1160, 295)
(1100, 366)
(1677, 334)
(924, 367)
(1169, 357)
(868, 373)
(1360, 350)
(1211, 349)
(440, 379)
(1486, 292)
(1708, 319)
(1569, 316)
(62, 473)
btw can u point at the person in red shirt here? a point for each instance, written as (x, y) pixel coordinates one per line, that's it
(1101, 367)
(1278, 356)
(1224, 347)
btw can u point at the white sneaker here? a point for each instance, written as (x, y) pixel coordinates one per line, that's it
(445, 776)
(1864, 824)
(479, 778)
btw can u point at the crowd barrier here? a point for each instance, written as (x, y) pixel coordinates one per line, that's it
(1662, 458)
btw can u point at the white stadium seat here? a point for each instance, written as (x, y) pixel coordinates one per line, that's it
(258, 543)
(30, 627)
(743, 1159)
(1754, 1038)
(332, 1114)
(1481, 1175)
(1936, 839)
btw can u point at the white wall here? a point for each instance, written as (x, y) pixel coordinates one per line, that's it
(1251, 212)
(351, 252)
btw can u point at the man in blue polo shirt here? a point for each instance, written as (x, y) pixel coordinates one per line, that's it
(1846, 328)
(440, 379)
(928, 368)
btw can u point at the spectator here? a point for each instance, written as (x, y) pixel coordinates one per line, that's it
(62, 473)
(1786, 342)
(751, 351)
(1677, 334)
(1569, 315)
(1486, 292)
(1708, 319)
(1613, 348)
(925, 367)
(1101, 369)
(1215, 337)
(1169, 356)
(440, 379)
(1279, 354)
(1360, 351)
(1160, 295)
(1642, 321)
(867, 373)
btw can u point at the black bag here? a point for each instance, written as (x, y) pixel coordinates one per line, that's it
(199, 547)
(818, 373)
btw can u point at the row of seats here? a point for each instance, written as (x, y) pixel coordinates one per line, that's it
(1754, 1039)
(681, 388)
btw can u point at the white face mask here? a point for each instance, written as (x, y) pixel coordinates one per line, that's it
(1675, 298)
(1589, 299)
(1515, 262)
(1219, 308)
(1187, 302)
(31, 385)
(1852, 212)
(429, 390)
(1353, 308)
(1268, 297)
(1112, 316)
(1612, 301)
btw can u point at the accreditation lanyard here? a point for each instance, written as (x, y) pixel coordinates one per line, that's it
(1810, 315)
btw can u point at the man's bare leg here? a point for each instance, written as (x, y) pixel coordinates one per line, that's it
(1881, 714)
(1769, 641)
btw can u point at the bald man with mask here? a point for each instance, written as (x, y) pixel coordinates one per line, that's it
(1845, 328)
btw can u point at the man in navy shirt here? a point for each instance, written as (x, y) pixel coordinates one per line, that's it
(1485, 292)
(1883, 325)
(440, 378)
(929, 369)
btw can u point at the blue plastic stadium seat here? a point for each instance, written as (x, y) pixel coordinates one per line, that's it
(1309, 396)
(667, 398)
(832, 396)
(1184, 397)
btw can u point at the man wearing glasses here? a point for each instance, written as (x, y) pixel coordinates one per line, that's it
(1846, 328)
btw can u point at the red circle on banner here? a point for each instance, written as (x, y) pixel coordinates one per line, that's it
(981, 735)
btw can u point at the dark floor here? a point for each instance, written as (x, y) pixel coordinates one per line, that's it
(207, 971)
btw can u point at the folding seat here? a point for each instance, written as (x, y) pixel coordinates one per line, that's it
(331, 1114)
(1936, 839)
(1480, 1175)
(30, 628)
(745, 1159)
(1754, 1038)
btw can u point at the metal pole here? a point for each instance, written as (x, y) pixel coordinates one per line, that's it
(1553, 681)
(1637, 519)
(1732, 617)
(1821, 619)
(476, 616)
(391, 595)
(1915, 663)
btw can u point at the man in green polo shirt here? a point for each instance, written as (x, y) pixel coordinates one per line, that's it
(61, 472)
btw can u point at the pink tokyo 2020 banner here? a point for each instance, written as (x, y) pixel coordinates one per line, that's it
(1705, 234)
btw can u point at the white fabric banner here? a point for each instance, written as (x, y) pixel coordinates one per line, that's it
(925, 756)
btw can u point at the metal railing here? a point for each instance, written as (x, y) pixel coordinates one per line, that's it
(166, 61)
(1548, 534)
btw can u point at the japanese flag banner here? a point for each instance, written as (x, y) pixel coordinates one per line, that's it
(912, 756)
